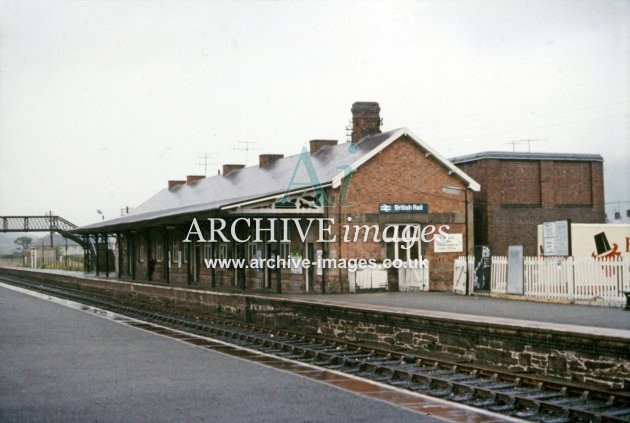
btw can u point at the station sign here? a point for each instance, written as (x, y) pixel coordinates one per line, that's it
(403, 208)
(557, 238)
(454, 244)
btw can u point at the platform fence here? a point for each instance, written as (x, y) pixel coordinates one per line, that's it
(463, 273)
(601, 281)
(410, 278)
(37, 261)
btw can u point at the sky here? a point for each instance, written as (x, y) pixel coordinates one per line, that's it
(102, 102)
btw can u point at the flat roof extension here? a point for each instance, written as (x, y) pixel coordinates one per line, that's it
(509, 155)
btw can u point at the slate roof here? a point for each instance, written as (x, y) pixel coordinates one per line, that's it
(254, 182)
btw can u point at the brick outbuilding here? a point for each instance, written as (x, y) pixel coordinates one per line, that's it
(522, 190)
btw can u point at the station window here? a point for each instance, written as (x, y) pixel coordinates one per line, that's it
(252, 253)
(208, 250)
(285, 247)
(159, 250)
(282, 234)
(253, 248)
(285, 250)
(185, 247)
(223, 250)
(141, 251)
(399, 245)
(175, 248)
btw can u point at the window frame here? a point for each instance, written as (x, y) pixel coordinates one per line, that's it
(159, 248)
(141, 250)
(396, 244)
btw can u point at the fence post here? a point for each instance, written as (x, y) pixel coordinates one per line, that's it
(570, 272)
(458, 270)
(470, 274)
(625, 271)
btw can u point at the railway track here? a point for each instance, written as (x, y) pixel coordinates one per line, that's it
(524, 397)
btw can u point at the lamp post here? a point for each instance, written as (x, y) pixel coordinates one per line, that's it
(455, 191)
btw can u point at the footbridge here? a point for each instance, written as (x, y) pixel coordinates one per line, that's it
(50, 223)
(46, 223)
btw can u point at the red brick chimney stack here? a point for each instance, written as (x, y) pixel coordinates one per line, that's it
(173, 183)
(316, 145)
(264, 159)
(228, 168)
(191, 179)
(366, 119)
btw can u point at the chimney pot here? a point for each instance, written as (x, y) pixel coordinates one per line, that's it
(316, 145)
(366, 120)
(228, 168)
(264, 159)
(173, 183)
(191, 179)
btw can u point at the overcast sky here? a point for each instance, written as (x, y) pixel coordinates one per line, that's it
(101, 102)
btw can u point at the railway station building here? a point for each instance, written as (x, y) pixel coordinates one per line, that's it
(351, 210)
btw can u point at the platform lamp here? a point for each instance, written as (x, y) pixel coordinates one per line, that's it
(455, 191)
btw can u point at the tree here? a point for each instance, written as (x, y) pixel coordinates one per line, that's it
(24, 242)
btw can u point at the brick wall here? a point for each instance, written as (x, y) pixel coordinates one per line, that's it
(525, 188)
(518, 195)
(402, 173)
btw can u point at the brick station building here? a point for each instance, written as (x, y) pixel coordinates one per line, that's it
(379, 179)
(522, 190)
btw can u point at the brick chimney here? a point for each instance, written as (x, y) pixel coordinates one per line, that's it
(263, 159)
(227, 168)
(172, 184)
(316, 145)
(191, 179)
(366, 120)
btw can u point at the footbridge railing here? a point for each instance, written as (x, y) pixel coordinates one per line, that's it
(44, 223)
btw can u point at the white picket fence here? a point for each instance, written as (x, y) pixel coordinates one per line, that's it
(414, 278)
(601, 281)
(463, 268)
(411, 277)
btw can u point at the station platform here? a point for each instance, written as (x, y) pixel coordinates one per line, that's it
(588, 344)
(521, 312)
(483, 307)
(61, 363)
